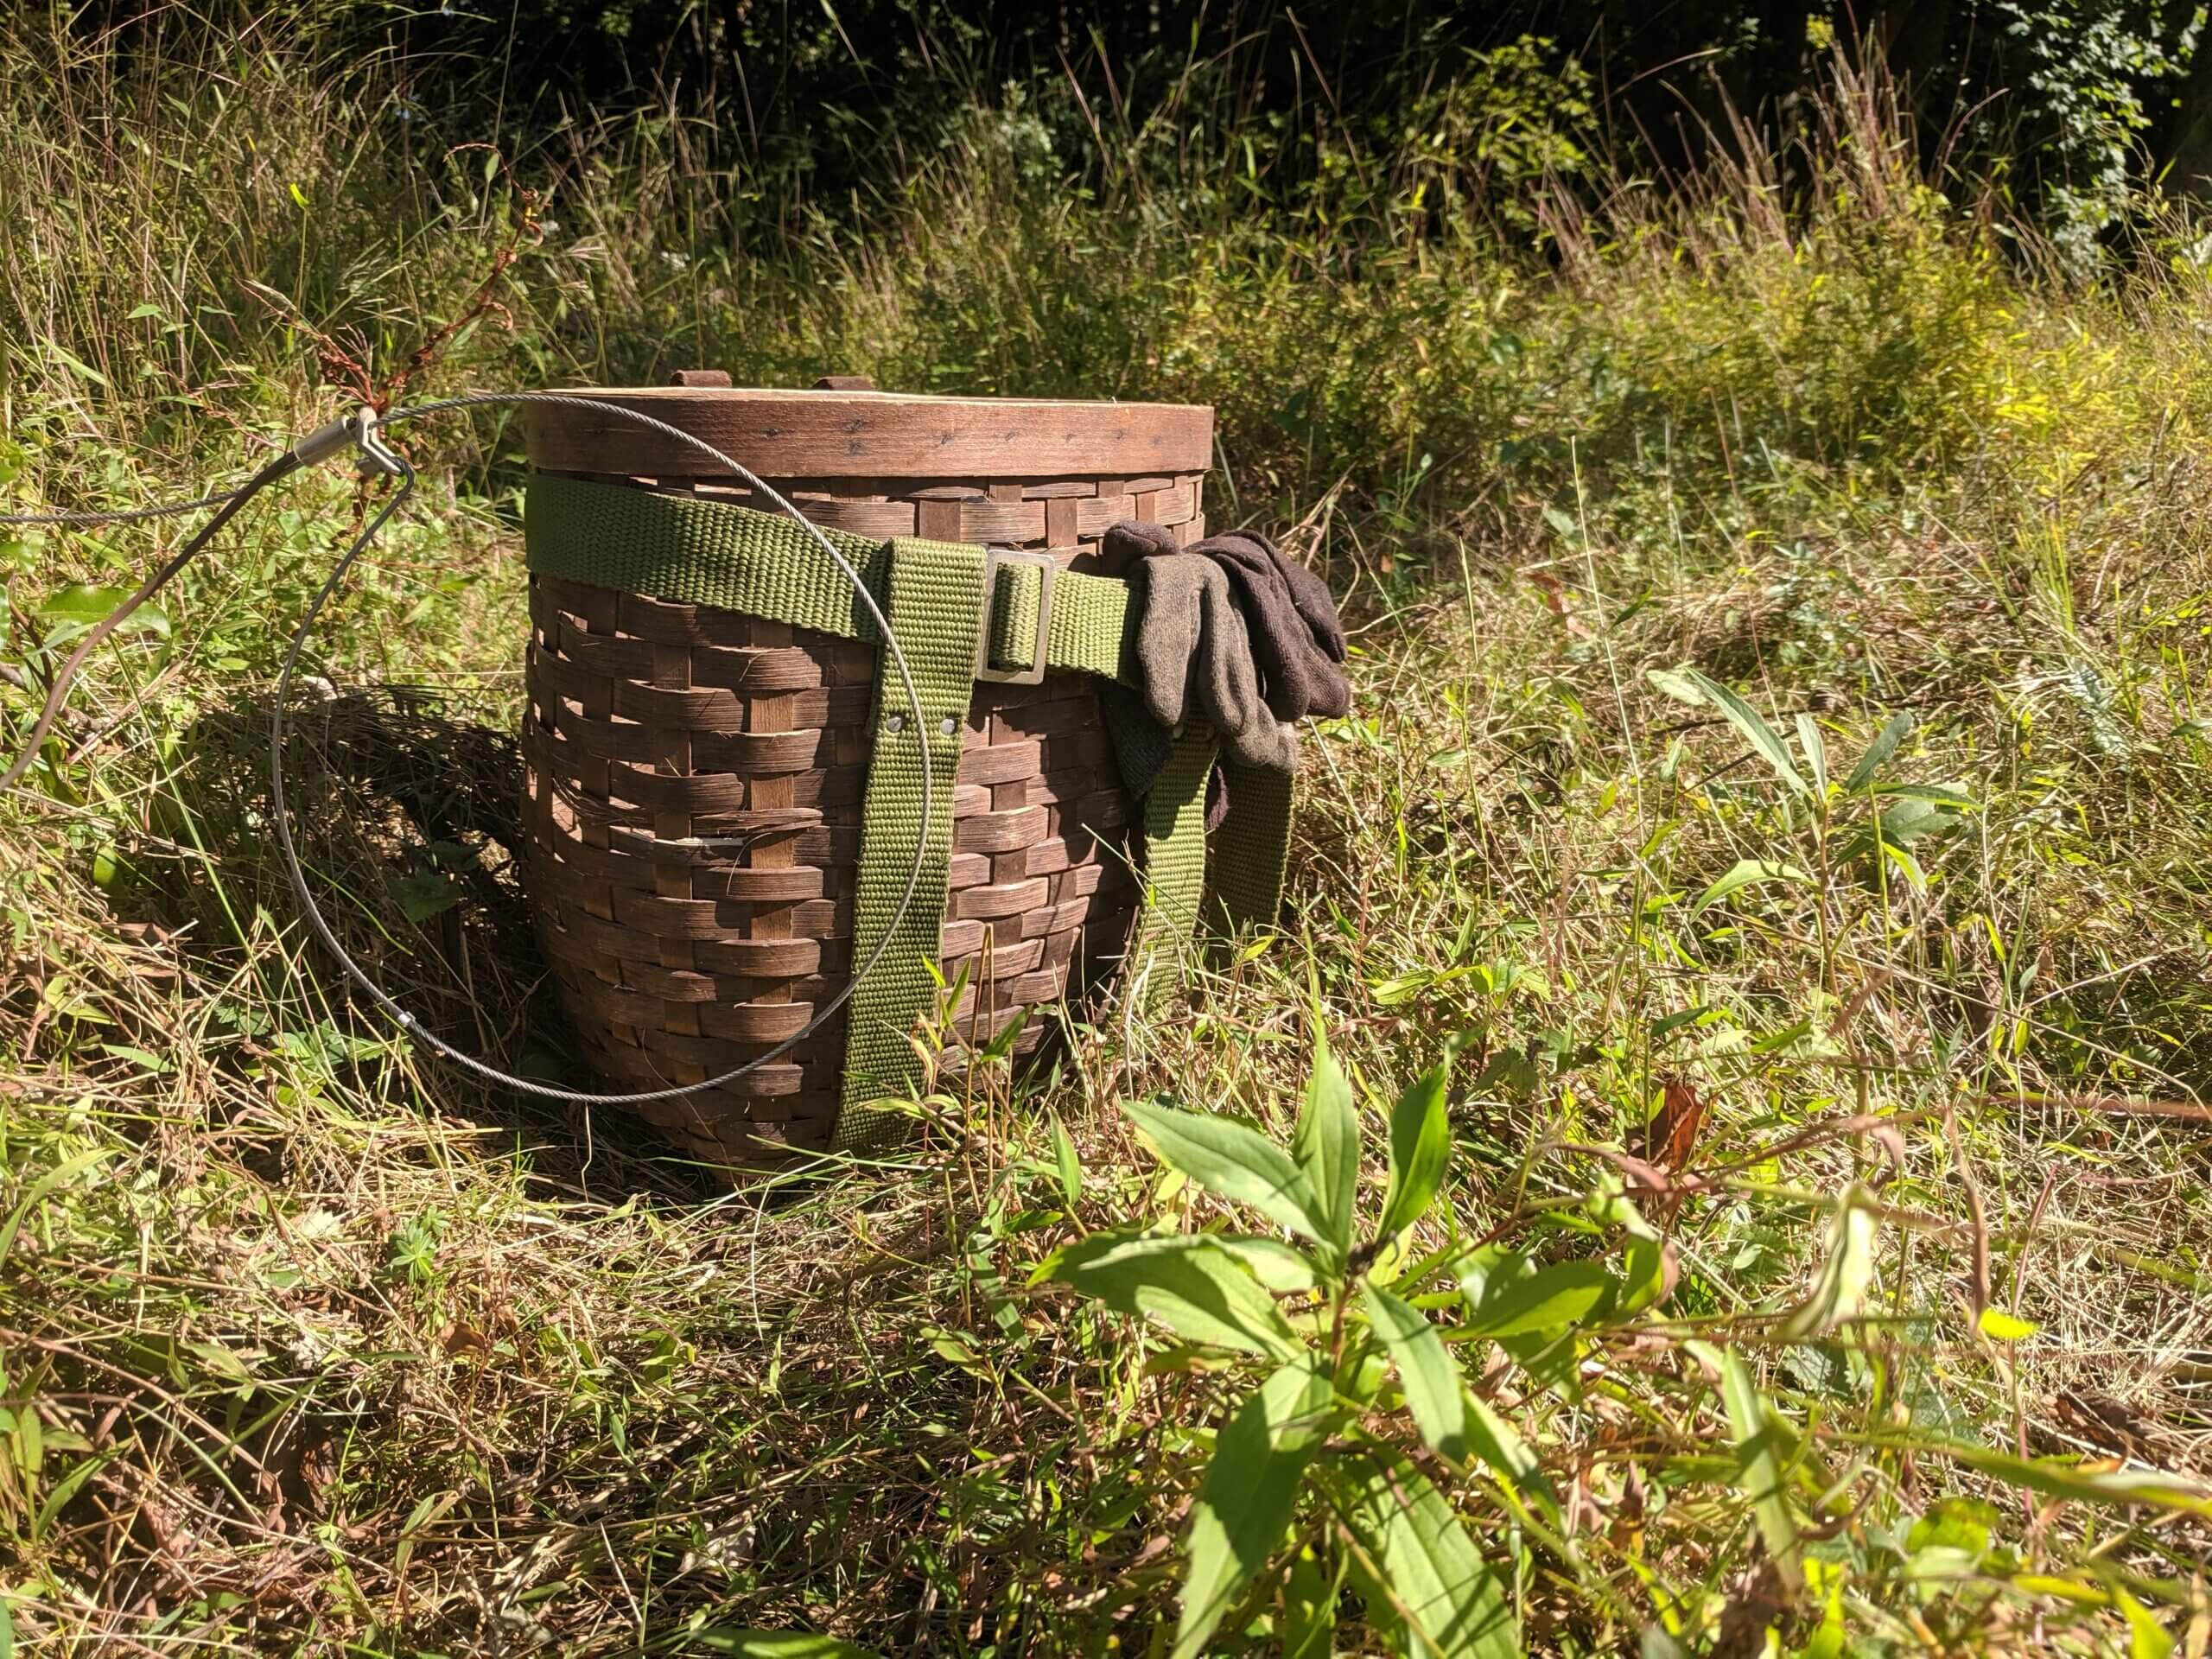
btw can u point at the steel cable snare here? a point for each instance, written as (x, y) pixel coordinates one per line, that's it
(754, 855)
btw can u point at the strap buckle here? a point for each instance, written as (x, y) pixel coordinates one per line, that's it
(1033, 673)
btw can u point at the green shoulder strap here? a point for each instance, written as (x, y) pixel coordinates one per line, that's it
(1175, 861)
(936, 609)
(1247, 886)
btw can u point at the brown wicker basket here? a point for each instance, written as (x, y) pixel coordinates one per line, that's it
(652, 722)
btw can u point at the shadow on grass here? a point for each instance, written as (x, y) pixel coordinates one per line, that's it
(407, 816)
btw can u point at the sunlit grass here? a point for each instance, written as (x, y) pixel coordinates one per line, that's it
(309, 1346)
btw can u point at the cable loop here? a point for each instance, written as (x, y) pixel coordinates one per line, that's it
(361, 430)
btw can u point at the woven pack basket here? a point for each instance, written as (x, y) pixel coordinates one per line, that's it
(697, 774)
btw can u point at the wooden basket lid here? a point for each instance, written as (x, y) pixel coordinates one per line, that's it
(782, 433)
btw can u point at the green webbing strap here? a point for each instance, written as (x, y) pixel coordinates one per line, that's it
(1248, 887)
(708, 552)
(935, 607)
(1175, 857)
(701, 552)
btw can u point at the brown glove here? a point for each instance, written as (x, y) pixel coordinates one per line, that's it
(1228, 629)
(1297, 641)
(1194, 657)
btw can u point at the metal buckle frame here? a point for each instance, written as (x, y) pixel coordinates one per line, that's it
(1047, 568)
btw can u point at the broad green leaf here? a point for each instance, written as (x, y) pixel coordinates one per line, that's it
(1244, 1502)
(1938, 1564)
(424, 894)
(1908, 867)
(1752, 724)
(773, 1644)
(1647, 1262)
(1884, 746)
(1426, 1371)
(2147, 1637)
(1964, 1523)
(1282, 1268)
(1432, 1580)
(159, 1064)
(1550, 1360)
(1827, 1640)
(2081, 1594)
(1933, 794)
(2000, 1326)
(1610, 1203)
(2056, 1477)
(1420, 1142)
(1234, 1159)
(75, 365)
(1913, 818)
(1746, 872)
(1816, 752)
(1362, 1381)
(1487, 1266)
(1499, 1445)
(1547, 1299)
(1309, 1606)
(1403, 988)
(1841, 1292)
(1669, 683)
(1063, 1156)
(1759, 1445)
(1186, 1282)
(77, 609)
(1009, 1035)
(953, 1349)
(1325, 1149)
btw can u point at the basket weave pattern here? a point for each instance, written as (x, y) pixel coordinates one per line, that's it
(695, 780)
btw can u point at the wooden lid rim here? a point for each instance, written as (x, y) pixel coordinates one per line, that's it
(784, 433)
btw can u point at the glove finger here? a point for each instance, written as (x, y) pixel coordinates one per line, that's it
(1167, 638)
(1271, 744)
(1132, 538)
(1331, 695)
(1231, 686)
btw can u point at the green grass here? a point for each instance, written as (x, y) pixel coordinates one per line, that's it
(311, 1346)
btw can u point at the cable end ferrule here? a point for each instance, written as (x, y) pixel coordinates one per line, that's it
(358, 431)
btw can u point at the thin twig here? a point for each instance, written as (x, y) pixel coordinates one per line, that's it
(2108, 1106)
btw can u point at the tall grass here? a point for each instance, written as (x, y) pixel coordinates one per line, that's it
(306, 1346)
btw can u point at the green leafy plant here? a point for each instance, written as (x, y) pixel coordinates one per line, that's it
(1307, 1491)
(1865, 822)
